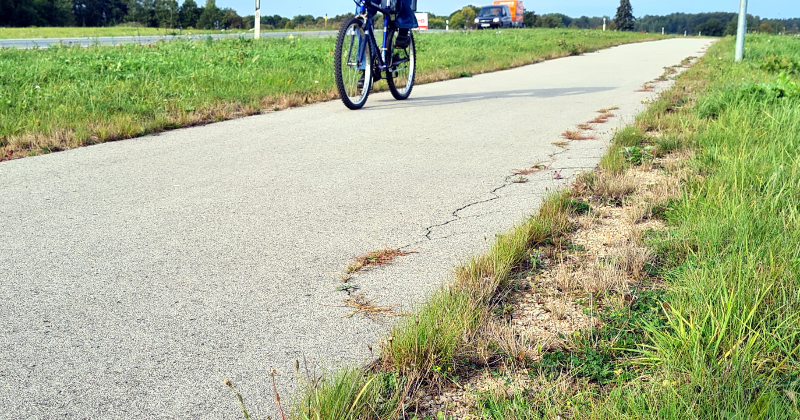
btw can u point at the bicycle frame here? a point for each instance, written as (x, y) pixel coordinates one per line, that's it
(367, 10)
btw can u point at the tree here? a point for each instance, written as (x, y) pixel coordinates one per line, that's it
(231, 19)
(550, 20)
(766, 28)
(457, 20)
(189, 14)
(469, 16)
(436, 23)
(140, 11)
(210, 17)
(529, 19)
(732, 28)
(712, 27)
(166, 13)
(624, 18)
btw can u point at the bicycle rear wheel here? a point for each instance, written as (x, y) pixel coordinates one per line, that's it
(403, 68)
(353, 64)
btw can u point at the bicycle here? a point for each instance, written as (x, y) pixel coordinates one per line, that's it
(358, 60)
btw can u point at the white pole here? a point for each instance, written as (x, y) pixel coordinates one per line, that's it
(258, 20)
(662, 30)
(604, 24)
(447, 25)
(742, 30)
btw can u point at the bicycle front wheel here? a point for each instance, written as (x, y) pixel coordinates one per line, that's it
(353, 64)
(403, 68)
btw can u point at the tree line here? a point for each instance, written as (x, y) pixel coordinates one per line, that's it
(170, 14)
(151, 13)
(712, 24)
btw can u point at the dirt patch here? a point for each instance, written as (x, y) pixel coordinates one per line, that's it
(603, 258)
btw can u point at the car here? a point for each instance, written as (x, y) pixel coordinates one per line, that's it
(495, 16)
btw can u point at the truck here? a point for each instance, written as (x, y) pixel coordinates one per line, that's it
(517, 12)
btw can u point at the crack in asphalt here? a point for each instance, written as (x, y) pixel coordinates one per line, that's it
(455, 215)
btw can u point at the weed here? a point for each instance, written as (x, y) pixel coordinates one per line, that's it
(580, 207)
(532, 170)
(239, 399)
(347, 287)
(361, 306)
(604, 354)
(375, 259)
(777, 64)
(577, 135)
(638, 155)
(603, 118)
(561, 144)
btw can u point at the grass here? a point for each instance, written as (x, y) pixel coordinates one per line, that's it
(714, 331)
(84, 32)
(721, 340)
(66, 97)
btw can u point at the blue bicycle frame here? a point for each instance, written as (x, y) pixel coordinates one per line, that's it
(368, 9)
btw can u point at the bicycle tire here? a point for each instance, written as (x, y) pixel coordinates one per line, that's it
(346, 71)
(406, 80)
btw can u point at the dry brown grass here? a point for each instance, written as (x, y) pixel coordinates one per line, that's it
(515, 343)
(647, 87)
(604, 277)
(577, 135)
(532, 170)
(614, 187)
(566, 278)
(586, 126)
(375, 259)
(638, 212)
(603, 118)
(633, 258)
(607, 110)
(361, 306)
(558, 307)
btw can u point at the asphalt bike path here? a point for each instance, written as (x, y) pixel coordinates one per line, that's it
(136, 276)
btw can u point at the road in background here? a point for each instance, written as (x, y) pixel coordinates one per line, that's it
(136, 276)
(144, 40)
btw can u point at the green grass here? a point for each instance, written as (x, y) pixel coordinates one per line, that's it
(82, 32)
(725, 342)
(65, 97)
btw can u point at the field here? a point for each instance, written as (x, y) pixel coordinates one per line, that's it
(689, 308)
(82, 32)
(66, 97)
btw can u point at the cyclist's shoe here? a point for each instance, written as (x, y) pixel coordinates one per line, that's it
(403, 39)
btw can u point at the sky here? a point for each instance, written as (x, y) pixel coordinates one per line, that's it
(776, 9)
